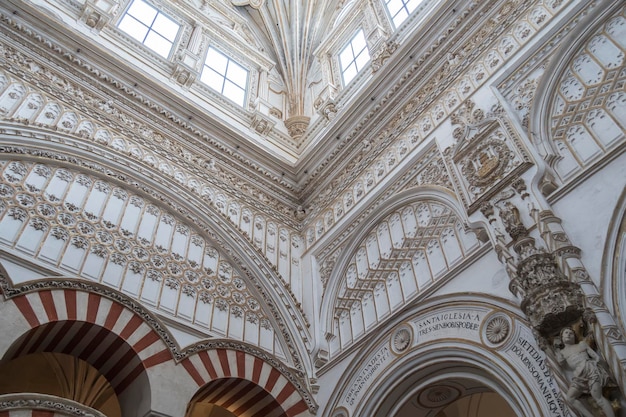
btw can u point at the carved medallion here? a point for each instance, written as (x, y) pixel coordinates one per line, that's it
(438, 396)
(497, 330)
(401, 339)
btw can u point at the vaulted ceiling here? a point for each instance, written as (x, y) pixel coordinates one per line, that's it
(290, 32)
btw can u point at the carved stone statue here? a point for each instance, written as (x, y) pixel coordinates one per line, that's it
(588, 376)
(511, 220)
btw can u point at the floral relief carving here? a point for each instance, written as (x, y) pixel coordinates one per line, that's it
(112, 242)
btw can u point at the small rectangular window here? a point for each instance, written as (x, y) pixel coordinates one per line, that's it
(353, 57)
(401, 9)
(225, 76)
(150, 27)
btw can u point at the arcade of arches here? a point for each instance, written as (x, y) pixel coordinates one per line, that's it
(379, 208)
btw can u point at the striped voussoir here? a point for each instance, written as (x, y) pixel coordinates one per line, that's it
(100, 331)
(243, 384)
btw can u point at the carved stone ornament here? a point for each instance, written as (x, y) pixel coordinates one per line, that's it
(96, 14)
(401, 339)
(549, 299)
(487, 156)
(184, 76)
(328, 109)
(509, 214)
(438, 396)
(497, 329)
(261, 124)
(296, 126)
(383, 55)
(586, 373)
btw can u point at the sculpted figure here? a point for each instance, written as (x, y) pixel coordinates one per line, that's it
(589, 377)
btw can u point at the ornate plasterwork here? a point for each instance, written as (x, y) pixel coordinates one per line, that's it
(383, 55)
(488, 154)
(497, 329)
(457, 77)
(155, 146)
(430, 170)
(588, 111)
(205, 177)
(402, 339)
(223, 240)
(438, 396)
(402, 256)
(119, 239)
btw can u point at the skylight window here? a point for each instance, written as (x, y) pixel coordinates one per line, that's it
(354, 57)
(150, 27)
(225, 76)
(401, 9)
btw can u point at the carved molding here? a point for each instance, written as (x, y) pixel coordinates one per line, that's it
(50, 403)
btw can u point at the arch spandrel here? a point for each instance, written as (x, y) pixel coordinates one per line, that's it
(402, 254)
(79, 224)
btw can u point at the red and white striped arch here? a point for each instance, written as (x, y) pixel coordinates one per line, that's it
(105, 333)
(256, 388)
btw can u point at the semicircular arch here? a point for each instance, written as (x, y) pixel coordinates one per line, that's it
(401, 252)
(490, 345)
(237, 261)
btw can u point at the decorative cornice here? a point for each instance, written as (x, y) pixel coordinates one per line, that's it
(423, 101)
(432, 80)
(128, 122)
